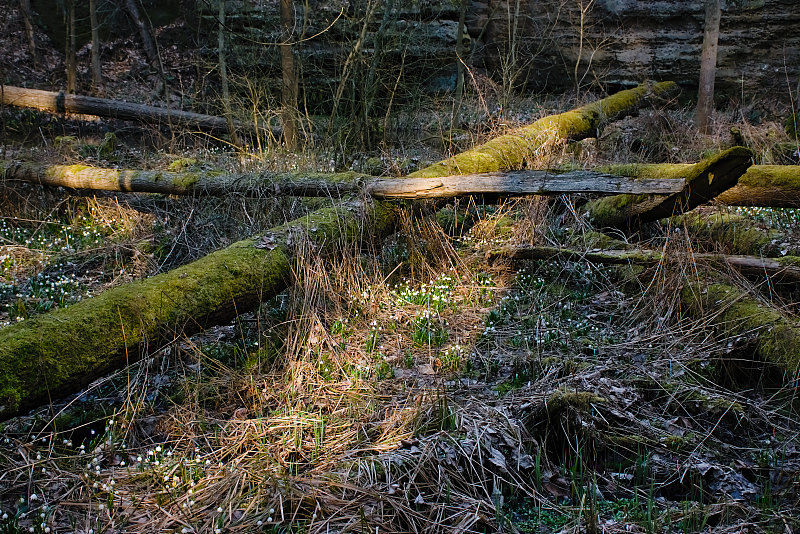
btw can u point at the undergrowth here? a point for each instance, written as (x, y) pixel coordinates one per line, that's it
(419, 387)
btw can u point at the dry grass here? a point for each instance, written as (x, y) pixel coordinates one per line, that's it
(416, 388)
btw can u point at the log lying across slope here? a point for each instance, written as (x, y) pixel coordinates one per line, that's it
(102, 107)
(735, 313)
(509, 183)
(61, 351)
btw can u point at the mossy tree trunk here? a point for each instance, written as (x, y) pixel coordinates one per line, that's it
(736, 314)
(60, 352)
(511, 151)
(782, 269)
(489, 185)
(775, 186)
(704, 181)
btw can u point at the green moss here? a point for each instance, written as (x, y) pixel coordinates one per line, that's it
(778, 338)
(61, 351)
(764, 176)
(511, 150)
(182, 164)
(735, 233)
(185, 180)
(563, 399)
(704, 180)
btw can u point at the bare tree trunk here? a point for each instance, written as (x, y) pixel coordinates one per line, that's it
(288, 76)
(460, 56)
(104, 107)
(70, 61)
(223, 75)
(27, 17)
(708, 66)
(494, 185)
(144, 34)
(97, 77)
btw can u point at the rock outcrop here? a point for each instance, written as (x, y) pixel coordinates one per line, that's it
(625, 41)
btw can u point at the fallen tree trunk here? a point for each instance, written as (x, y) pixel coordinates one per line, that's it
(784, 269)
(511, 150)
(704, 181)
(735, 314)
(776, 186)
(510, 183)
(102, 107)
(734, 233)
(62, 351)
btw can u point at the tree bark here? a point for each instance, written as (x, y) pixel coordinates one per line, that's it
(144, 33)
(708, 66)
(223, 75)
(102, 107)
(69, 54)
(97, 77)
(775, 186)
(499, 184)
(60, 352)
(510, 151)
(288, 76)
(704, 181)
(27, 18)
(784, 269)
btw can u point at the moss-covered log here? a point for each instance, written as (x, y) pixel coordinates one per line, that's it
(102, 107)
(776, 186)
(509, 183)
(737, 314)
(704, 181)
(733, 233)
(61, 351)
(511, 150)
(218, 183)
(783, 269)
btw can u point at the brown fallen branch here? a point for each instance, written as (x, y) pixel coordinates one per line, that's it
(60, 352)
(785, 269)
(102, 107)
(510, 151)
(510, 183)
(704, 181)
(776, 186)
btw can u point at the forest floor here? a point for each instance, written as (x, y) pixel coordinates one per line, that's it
(406, 386)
